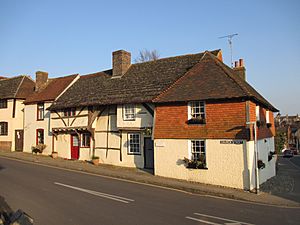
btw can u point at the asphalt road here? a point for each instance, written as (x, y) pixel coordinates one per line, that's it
(56, 196)
(290, 168)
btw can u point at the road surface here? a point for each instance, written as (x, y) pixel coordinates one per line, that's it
(54, 196)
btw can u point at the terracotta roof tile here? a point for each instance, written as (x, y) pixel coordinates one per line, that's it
(52, 90)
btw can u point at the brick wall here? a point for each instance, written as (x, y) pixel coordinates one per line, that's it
(223, 120)
(262, 131)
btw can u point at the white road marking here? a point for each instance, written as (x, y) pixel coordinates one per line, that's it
(218, 218)
(203, 221)
(100, 194)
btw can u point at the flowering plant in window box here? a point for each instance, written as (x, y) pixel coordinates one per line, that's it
(38, 148)
(196, 120)
(260, 164)
(194, 163)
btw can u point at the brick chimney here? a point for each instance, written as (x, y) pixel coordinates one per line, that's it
(41, 79)
(240, 69)
(121, 62)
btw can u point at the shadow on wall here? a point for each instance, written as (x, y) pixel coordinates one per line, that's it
(242, 132)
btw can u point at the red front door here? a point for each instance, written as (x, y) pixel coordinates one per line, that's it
(74, 146)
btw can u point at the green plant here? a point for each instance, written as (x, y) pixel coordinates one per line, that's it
(95, 157)
(280, 140)
(38, 148)
(195, 163)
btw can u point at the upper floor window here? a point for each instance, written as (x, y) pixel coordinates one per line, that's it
(134, 143)
(257, 113)
(3, 103)
(39, 136)
(86, 140)
(196, 112)
(267, 116)
(4, 128)
(70, 112)
(40, 111)
(129, 112)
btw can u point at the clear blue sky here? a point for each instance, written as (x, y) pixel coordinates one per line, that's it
(66, 37)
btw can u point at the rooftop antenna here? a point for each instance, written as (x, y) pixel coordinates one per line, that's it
(229, 38)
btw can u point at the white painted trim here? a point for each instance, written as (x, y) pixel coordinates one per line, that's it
(268, 116)
(257, 113)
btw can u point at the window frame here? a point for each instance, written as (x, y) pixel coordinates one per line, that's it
(201, 111)
(83, 140)
(3, 103)
(5, 128)
(192, 152)
(125, 114)
(129, 150)
(37, 136)
(38, 118)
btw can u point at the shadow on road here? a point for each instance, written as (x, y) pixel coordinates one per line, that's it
(5, 210)
(287, 182)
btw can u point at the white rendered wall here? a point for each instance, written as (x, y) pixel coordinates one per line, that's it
(31, 124)
(226, 163)
(13, 123)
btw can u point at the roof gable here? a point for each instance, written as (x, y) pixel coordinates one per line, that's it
(211, 79)
(16, 87)
(52, 90)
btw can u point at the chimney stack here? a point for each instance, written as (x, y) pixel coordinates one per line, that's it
(121, 62)
(240, 69)
(41, 79)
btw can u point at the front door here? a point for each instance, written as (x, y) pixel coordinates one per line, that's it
(74, 146)
(19, 140)
(148, 153)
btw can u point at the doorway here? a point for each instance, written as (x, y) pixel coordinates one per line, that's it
(148, 153)
(74, 146)
(19, 140)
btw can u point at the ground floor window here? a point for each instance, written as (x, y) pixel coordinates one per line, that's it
(86, 140)
(134, 143)
(3, 128)
(39, 136)
(198, 152)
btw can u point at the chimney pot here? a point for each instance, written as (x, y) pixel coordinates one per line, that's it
(121, 62)
(241, 62)
(41, 79)
(236, 64)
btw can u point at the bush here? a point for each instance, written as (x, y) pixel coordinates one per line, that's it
(38, 148)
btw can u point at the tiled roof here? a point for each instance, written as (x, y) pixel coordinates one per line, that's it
(141, 83)
(211, 79)
(16, 87)
(183, 78)
(52, 90)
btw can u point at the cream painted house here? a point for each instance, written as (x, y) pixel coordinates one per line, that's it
(188, 117)
(13, 92)
(37, 123)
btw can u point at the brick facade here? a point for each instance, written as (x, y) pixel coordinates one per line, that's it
(223, 120)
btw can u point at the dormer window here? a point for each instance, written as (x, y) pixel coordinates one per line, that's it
(129, 112)
(196, 112)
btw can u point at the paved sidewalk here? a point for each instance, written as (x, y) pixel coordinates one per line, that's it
(137, 175)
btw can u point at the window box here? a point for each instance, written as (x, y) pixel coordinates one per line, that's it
(196, 121)
(269, 125)
(195, 164)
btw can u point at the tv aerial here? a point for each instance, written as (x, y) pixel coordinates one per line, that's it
(229, 38)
